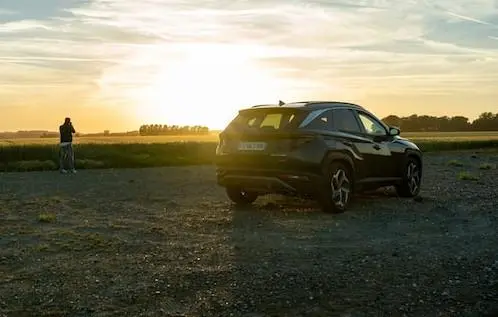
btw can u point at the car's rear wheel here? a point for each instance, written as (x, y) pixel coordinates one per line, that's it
(412, 176)
(241, 197)
(337, 196)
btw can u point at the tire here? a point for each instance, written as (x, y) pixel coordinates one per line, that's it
(240, 197)
(338, 188)
(412, 177)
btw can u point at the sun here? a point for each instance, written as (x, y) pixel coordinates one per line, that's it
(206, 87)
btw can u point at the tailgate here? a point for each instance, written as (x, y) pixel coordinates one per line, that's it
(262, 144)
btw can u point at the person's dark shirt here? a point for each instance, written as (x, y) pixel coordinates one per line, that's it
(66, 132)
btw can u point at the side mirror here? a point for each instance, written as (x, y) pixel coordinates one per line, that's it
(393, 131)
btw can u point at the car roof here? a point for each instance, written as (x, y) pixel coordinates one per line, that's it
(311, 105)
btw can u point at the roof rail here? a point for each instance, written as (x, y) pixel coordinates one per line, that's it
(256, 106)
(309, 103)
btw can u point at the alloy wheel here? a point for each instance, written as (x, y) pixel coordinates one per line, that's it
(341, 187)
(413, 177)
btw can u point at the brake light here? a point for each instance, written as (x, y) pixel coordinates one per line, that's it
(222, 144)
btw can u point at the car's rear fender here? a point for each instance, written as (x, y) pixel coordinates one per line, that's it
(339, 156)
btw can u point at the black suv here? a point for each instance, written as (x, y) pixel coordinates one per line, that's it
(320, 150)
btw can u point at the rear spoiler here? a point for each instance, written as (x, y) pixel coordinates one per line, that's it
(280, 104)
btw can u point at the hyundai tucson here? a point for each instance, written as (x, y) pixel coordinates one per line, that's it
(324, 151)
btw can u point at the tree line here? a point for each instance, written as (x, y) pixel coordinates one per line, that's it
(159, 129)
(487, 121)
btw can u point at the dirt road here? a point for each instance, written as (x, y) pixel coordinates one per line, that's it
(166, 242)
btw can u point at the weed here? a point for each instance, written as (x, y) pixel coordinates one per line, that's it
(88, 164)
(487, 166)
(30, 165)
(466, 176)
(47, 217)
(42, 247)
(455, 163)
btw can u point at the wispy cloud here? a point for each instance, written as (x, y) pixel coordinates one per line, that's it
(129, 54)
(471, 19)
(6, 12)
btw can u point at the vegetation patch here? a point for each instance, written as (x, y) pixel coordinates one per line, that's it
(47, 217)
(487, 166)
(455, 163)
(89, 164)
(29, 165)
(41, 157)
(42, 247)
(466, 176)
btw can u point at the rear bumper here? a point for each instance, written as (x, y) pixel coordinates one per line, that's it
(271, 181)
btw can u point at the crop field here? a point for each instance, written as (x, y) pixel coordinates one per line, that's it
(166, 241)
(138, 152)
(213, 137)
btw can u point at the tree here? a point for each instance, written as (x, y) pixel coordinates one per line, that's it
(163, 129)
(415, 123)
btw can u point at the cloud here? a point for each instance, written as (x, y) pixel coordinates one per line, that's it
(24, 25)
(467, 18)
(6, 12)
(112, 50)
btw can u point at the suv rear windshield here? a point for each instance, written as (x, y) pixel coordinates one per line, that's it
(269, 119)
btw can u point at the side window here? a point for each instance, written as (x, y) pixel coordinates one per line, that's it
(371, 125)
(345, 120)
(321, 122)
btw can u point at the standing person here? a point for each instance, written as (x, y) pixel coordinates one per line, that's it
(66, 131)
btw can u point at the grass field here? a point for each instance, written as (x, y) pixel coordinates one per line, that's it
(213, 137)
(136, 152)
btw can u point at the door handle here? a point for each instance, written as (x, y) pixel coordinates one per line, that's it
(376, 146)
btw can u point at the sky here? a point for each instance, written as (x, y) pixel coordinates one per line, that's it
(115, 64)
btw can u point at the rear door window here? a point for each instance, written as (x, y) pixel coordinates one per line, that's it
(323, 121)
(345, 121)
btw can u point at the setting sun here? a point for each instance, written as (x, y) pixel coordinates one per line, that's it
(205, 87)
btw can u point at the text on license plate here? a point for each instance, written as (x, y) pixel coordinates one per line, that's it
(252, 146)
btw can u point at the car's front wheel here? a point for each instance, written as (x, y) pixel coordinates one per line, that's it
(411, 180)
(240, 196)
(338, 192)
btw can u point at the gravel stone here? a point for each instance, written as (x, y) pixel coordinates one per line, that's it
(169, 243)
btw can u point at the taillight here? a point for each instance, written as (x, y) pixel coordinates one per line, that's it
(221, 148)
(222, 142)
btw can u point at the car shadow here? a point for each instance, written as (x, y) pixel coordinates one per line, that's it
(266, 275)
(278, 246)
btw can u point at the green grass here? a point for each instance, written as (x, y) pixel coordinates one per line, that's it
(47, 217)
(30, 157)
(455, 163)
(466, 176)
(91, 156)
(213, 137)
(487, 166)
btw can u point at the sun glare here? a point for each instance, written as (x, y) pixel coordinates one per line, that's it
(206, 87)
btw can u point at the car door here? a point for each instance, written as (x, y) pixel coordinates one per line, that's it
(351, 133)
(377, 133)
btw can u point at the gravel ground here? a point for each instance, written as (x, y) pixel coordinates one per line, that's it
(166, 242)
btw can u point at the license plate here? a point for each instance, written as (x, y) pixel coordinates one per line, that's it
(252, 146)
